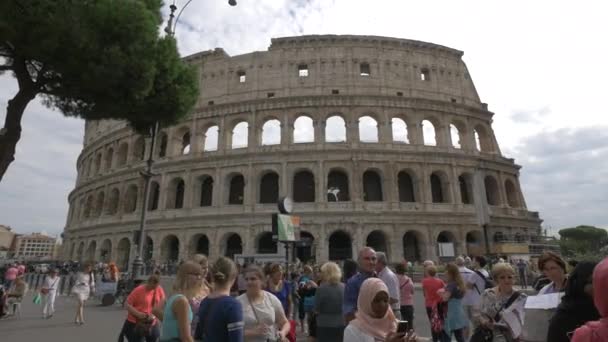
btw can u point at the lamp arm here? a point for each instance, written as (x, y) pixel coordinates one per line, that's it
(179, 14)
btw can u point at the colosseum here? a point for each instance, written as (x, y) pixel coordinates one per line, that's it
(379, 141)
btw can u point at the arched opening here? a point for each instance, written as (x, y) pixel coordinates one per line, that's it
(399, 128)
(72, 251)
(206, 191)
(108, 159)
(377, 241)
(438, 188)
(98, 163)
(154, 195)
(519, 238)
(269, 188)
(234, 245)
(303, 130)
(80, 252)
(240, 135)
(512, 194)
(429, 133)
(304, 187)
(113, 201)
(185, 149)
(131, 199)
(340, 246)
(465, 182)
(266, 245)
(236, 193)
(492, 193)
(335, 129)
(211, 138)
(337, 186)
(474, 243)
(105, 251)
(455, 136)
(163, 141)
(123, 252)
(483, 141)
(91, 251)
(169, 249)
(123, 151)
(446, 247)
(411, 246)
(406, 187)
(88, 207)
(304, 246)
(199, 244)
(139, 149)
(175, 195)
(372, 187)
(271, 132)
(148, 249)
(99, 204)
(368, 129)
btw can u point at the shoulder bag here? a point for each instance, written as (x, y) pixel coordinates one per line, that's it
(484, 334)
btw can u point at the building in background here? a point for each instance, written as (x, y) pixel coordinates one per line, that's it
(35, 246)
(7, 238)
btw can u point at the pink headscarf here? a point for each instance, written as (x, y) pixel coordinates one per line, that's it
(376, 327)
(597, 331)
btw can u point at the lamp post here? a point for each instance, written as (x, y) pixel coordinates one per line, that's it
(147, 174)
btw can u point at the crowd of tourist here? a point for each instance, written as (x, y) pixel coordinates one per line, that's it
(362, 301)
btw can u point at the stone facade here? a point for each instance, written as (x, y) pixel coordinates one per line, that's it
(393, 129)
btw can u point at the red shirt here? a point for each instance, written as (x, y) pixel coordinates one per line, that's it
(430, 286)
(141, 299)
(11, 273)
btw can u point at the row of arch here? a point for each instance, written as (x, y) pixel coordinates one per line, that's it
(182, 140)
(414, 246)
(339, 186)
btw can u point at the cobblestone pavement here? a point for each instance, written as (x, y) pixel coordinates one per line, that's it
(102, 323)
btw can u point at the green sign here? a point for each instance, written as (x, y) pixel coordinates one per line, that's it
(286, 226)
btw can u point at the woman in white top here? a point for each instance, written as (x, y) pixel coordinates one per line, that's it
(49, 289)
(262, 311)
(374, 320)
(83, 287)
(554, 268)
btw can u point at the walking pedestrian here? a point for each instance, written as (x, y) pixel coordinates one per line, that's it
(495, 301)
(49, 290)
(522, 267)
(203, 291)
(471, 299)
(374, 320)
(431, 284)
(84, 286)
(367, 263)
(177, 314)
(141, 324)
(278, 286)
(597, 331)
(391, 281)
(221, 315)
(406, 295)
(455, 318)
(263, 313)
(328, 304)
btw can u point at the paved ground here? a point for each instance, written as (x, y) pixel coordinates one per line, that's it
(103, 323)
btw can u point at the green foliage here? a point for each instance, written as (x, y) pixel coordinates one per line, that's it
(583, 242)
(99, 59)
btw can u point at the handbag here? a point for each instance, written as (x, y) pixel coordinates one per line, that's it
(484, 334)
(37, 299)
(143, 327)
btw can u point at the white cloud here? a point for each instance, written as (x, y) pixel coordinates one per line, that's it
(539, 65)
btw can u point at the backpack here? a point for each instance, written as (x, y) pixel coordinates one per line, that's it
(488, 282)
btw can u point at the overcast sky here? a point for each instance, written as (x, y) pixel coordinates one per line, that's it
(540, 66)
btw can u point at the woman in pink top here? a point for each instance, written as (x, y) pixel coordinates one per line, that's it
(406, 289)
(430, 285)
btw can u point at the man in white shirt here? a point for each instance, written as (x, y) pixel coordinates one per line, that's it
(392, 282)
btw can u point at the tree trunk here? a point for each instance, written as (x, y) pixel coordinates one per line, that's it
(11, 133)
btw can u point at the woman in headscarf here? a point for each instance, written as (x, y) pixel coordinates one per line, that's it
(374, 320)
(597, 331)
(577, 306)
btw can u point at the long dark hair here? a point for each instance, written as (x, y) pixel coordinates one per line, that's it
(575, 297)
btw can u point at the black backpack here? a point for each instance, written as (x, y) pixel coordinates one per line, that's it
(488, 282)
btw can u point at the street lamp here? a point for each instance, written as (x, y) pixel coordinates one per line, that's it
(147, 174)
